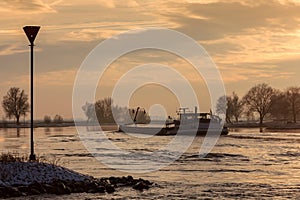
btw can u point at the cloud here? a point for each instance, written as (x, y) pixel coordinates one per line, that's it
(25, 7)
(109, 4)
(116, 3)
(219, 19)
(257, 46)
(50, 78)
(87, 35)
(262, 72)
(10, 32)
(11, 49)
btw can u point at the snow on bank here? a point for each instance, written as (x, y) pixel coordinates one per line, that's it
(26, 173)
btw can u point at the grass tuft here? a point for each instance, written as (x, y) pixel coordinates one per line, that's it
(12, 157)
(16, 157)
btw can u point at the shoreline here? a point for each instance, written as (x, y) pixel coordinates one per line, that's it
(115, 127)
(105, 127)
(267, 126)
(24, 178)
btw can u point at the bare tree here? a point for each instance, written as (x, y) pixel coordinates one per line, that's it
(293, 99)
(89, 111)
(236, 106)
(222, 107)
(58, 119)
(279, 104)
(231, 106)
(103, 110)
(15, 103)
(47, 119)
(259, 99)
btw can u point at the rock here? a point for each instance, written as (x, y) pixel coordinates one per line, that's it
(2, 184)
(37, 187)
(148, 182)
(112, 180)
(141, 185)
(91, 185)
(49, 189)
(129, 178)
(109, 188)
(92, 190)
(12, 192)
(2, 191)
(32, 178)
(33, 191)
(101, 189)
(60, 188)
(78, 187)
(23, 189)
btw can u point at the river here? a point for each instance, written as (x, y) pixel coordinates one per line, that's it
(245, 164)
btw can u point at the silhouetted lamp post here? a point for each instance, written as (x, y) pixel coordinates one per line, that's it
(31, 33)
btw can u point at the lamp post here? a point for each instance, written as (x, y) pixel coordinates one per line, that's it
(31, 33)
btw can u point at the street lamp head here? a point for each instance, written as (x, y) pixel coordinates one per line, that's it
(31, 32)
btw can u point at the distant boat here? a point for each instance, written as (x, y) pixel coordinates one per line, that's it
(146, 129)
(191, 122)
(187, 123)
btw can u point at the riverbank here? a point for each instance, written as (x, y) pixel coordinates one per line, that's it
(269, 125)
(36, 124)
(104, 127)
(22, 178)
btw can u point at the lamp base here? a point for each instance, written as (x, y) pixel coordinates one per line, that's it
(32, 157)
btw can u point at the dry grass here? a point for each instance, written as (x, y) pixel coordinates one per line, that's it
(16, 157)
(12, 157)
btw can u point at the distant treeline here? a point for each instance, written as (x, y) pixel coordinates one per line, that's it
(263, 101)
(15, 105)
(104, 111)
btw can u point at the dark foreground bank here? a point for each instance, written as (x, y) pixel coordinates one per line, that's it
(34, 178)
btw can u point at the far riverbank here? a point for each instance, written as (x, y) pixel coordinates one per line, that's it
(104, 127)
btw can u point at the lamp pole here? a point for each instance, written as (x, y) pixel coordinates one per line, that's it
(31, 33)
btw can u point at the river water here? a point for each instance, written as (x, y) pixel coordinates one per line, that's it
(245, 164)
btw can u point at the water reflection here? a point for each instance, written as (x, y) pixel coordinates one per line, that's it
(242, 164)
(47, 131)
(18, 132)
(58, 129)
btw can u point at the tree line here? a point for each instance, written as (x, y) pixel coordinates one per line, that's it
(261, 100)
(15, 104)
(264, 101)
(104, 111)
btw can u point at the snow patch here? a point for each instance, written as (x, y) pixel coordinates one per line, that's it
(26, 173)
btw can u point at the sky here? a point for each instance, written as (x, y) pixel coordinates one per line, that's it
(250, 42)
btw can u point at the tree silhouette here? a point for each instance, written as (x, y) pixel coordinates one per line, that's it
(89, 111)
(15, 103)
(231, 106)
(103, 109)
(259, 99)
(47, 119)
(237, 106)
(279, 104)
(293, 99)
(223, 108)
(58, 119)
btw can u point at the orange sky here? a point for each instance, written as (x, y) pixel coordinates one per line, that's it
(250, 41)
